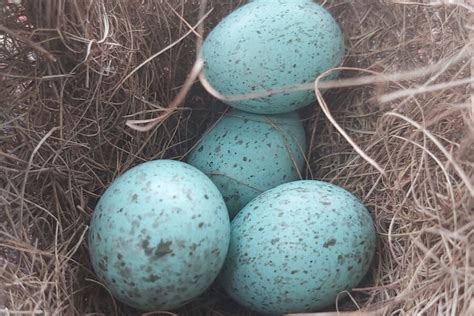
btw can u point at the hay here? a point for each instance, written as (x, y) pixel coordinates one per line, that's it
(69, 83)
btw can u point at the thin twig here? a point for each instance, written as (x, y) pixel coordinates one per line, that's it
(28, 42)
(465, 178)
(163, 50)
(340, 83)
(324, 107)
(414, 91)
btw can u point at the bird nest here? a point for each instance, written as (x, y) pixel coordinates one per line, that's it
(77, 79)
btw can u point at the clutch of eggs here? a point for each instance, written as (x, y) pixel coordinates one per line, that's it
(271, 44)
(246, 154)
(295, 247)
(159, 235)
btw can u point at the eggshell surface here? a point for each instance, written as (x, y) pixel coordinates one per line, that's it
(266, 45)
(295, 247)
(246, 154)
(159, 235)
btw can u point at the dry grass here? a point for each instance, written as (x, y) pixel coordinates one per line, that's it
(68, 86)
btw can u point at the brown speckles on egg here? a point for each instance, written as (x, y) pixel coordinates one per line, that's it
(340, 259)
(246, 163)
(145, 244)
(137, 244)
(329, 243)
(301, 255)
(295, 44)
(152, 278)
(163, 248)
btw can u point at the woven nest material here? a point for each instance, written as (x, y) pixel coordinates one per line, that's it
(398, 132)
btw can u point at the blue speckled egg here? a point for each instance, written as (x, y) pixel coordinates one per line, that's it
(246, 154)
(295, 247)
(268, 45)
(159, 235)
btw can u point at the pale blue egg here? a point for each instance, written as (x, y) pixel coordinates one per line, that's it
(295, 247)
(246, 154)
(272, 44)
(159, 235)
